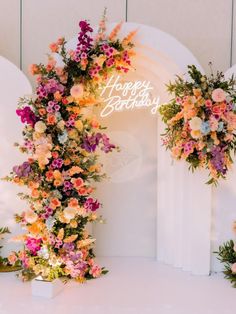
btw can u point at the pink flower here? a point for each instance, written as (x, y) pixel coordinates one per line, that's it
(233, 268)
(218, 95)
(213, 124)
(77, 91)
(95, 271)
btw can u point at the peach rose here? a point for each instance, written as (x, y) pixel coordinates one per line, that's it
(233, 268)
(218, 95)
(77, 91)
(30, 216)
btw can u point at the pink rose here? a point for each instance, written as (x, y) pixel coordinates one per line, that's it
(77, 91)
(218, 95)
(233, 268)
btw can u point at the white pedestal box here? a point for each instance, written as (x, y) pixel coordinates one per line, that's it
(46, 289)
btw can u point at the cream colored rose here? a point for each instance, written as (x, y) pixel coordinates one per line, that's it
(195, 123)
(69, 213)
(31, 216)
(61, 125)
(40, 127)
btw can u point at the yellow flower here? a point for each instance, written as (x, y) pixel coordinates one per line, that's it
(196, 134)
(40, 127)
(73, 134)
(79, 125)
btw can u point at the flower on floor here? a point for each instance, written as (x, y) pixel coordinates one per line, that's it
(62, 144)
(201, 122)
(227, 256)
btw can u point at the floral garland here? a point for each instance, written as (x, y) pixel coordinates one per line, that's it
(227, 256)
(61, 140)
(201, 122)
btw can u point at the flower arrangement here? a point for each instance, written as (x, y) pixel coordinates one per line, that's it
(227, 256)
(62, 140)
(5, 265)
(201, 122)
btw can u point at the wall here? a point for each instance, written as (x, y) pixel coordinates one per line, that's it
(204, 26)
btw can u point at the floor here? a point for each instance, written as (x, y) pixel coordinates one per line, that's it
(133, 286)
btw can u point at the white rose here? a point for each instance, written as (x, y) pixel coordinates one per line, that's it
(40, 127)
(30, 216)
(195, 123)
(69, 213)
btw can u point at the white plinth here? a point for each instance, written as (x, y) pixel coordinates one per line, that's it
(46, 289)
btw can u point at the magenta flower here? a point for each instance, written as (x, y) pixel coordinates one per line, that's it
(91, 204)
(57, 163)
(27, 116)
(33, 245)
(84, 39)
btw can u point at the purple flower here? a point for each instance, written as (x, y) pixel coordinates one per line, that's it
(57, 163)
(90, 143)
(67, 186)
(27, 116)
(91, 204)
(68, 246)
(22, 170)
(84, 39)
(107, 146)
(218, 158)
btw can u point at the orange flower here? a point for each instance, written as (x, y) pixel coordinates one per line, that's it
(67, 162)
(49, 175)
(74, 170)
(55, 154)
(35, 193)
(35, 228)
(45, 194)
(83, 191)
(58, 182)
(78, 182)
(53, 47)
(57, 96)
(54, 203)
(73, 202)
(34, 69)
(51, 119)
(33, 185)
(42, 111)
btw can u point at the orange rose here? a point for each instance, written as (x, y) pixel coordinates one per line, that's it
(35, 193)
(54, 203)
(78, 182)
(42, 111)
(51, 119)
(53, 47)
(73, 202)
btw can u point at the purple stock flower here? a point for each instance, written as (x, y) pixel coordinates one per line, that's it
(22, 170)
(91, 204)
(27, 116)
(68, 246)
(84, 39)
(217, 159)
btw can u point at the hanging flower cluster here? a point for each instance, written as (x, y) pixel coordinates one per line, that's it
(201, 122)
(62, 141)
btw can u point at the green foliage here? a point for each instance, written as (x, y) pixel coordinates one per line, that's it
(227, 256)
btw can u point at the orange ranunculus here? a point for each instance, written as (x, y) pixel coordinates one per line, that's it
(57, 182)
(51, 119)
(55, 154)
(77, 182)
(49, 175)
(53, 47)
(57, 175)
(73, 202)
(34, 69)
(83, 190)
(44, 194)
(35, 193)
(57, 96)
(33, 185)
(67, 161)
(54, 203)
(74, 170)
(42, 112)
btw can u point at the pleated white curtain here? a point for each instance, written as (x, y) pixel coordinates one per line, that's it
(183, 215)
